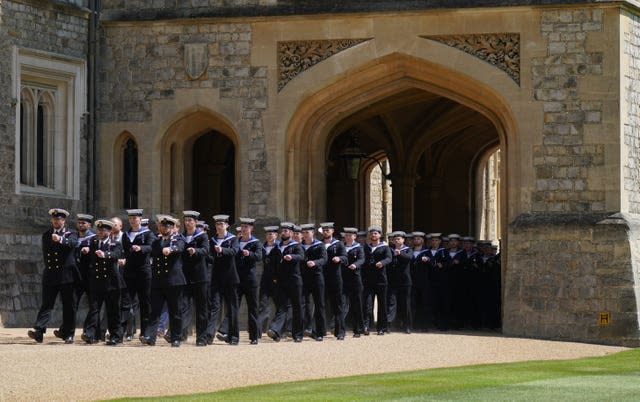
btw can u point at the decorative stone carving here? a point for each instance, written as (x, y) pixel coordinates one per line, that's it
(499, 49)
(294, 57)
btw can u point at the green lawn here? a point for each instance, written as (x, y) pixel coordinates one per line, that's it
(614, 377)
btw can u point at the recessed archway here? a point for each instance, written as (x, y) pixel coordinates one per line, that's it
(199, 146)
(468, 109)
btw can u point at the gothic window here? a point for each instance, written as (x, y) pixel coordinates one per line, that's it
(37, 111)
(130, 174)
(50, 95)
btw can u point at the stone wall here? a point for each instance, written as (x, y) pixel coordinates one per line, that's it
(631, 128)
(570, 260)
(568, 271)
(144, 63)
(565, 162)
(53, 27)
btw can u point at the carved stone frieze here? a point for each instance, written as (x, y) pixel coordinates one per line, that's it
(294, 57)
(499, 49)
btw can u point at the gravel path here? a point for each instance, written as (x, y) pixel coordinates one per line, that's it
(54, 371)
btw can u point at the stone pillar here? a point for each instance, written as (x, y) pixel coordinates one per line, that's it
(403, 201)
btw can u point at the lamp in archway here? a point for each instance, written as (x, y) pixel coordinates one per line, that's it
(352, 155)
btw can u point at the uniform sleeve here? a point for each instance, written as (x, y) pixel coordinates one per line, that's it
(255, 251)
(388, 256)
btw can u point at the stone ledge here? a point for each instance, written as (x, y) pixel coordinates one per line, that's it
(531, 220)
(324, 6)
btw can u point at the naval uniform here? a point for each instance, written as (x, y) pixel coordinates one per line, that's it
(198, 278)
(267, 284)
(137, 276)
(375, 284)
(83, 262)
(454, 259)
(470, 290)
(224, 285)
(313, 285)
(399, 293)
(167, 285)
(439, 288)
(420, 300)
(248, 287)
(289, 289)
(59, 276)
(352, 286)
(106, 284)
(490, 288)
(334, 283)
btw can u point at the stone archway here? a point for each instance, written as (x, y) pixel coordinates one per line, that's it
(206, 129)
(323, 117)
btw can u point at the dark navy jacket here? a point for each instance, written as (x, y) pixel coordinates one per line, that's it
(104, 274)
(195, 266)
(246, 265)
(372, 275)
(59, 258)
(167, 269)
(224, 263)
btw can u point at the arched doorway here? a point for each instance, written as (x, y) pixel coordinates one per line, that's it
(428, 120)
(433, 145)
(199, 169)
(433, 124)
(213, 175)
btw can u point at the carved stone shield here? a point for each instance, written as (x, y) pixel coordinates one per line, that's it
(196, 59)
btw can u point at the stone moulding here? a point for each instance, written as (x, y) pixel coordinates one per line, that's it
(294, 57)
(501, 50)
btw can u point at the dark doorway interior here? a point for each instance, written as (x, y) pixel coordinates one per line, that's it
(214, 175)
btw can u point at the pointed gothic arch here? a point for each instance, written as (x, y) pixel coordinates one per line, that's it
(177, 152)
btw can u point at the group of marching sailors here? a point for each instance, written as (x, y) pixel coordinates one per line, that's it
(318, 284)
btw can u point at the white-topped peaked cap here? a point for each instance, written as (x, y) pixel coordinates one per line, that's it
(221, 218)
(84, 217)
(58, 213)
(104, 224)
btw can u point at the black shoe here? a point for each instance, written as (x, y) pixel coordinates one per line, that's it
(297, 339)
(340, 337)
(145, 340)
(222, 337)
(175, 344)
(366, 332)
(233, 341)
(318, 338)
(273, 335)
(167, 337)
(128, 338)
(201, 342)
(68, 340)
(88, 339)
(380, 332)
(253, 342)
(36, 335)
(209, 339)
(407, 331)
(58, 334)
(111, 342)
(356, 335)
(308, 333)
